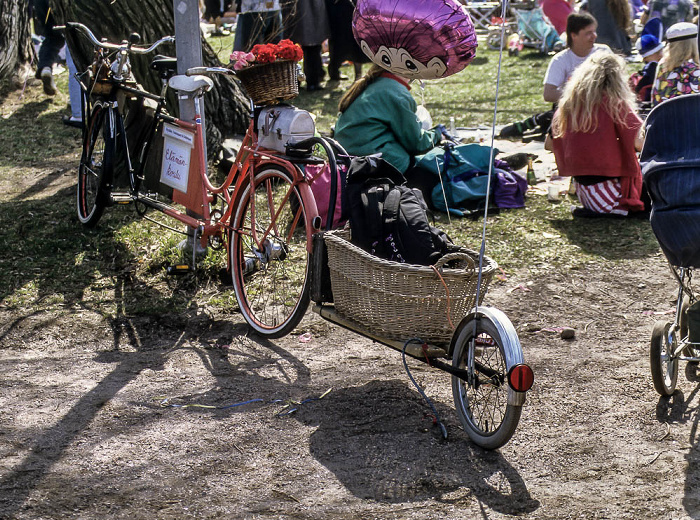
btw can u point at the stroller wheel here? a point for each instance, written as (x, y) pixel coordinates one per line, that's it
(692, 350)
(664, 366)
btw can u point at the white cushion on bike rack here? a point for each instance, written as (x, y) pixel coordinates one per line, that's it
(183, 83)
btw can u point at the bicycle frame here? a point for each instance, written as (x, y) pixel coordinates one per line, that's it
(200, 193)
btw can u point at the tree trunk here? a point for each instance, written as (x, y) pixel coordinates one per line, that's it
(226, 106)
(16, 52)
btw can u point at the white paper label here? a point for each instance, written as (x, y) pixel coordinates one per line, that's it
(177, 148)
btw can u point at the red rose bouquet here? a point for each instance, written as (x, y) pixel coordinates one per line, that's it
(267, 53)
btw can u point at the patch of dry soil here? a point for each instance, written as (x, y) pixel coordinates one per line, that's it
(85, 433)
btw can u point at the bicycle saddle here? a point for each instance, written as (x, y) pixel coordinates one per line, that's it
(190, 84)
(165, 65)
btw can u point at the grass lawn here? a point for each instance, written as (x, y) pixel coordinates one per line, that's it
(45, 254)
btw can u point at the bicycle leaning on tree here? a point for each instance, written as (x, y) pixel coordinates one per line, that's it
(263, 212)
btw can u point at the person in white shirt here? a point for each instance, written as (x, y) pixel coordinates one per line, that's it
(580, 40)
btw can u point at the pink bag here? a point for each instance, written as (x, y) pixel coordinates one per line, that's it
(319, 177)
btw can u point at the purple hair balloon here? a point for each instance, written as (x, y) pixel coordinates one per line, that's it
(425, 39)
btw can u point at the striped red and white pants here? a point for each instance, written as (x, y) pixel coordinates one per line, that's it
(602, 197)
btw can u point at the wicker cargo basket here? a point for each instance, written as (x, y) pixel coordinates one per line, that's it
(400, 301)
(270, 83)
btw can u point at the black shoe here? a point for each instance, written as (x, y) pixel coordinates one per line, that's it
(580, 212)
(511, 131)
(48, 82)
(68, 121)
(312, 88)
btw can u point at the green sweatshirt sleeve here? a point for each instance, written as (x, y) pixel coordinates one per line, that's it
(406, 126)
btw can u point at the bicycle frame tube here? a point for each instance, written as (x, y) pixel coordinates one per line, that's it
(250, 159)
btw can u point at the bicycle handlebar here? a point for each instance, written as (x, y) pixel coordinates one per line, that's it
(123, 46)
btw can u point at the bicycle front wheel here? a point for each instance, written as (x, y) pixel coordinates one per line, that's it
(482, 401)
(269, 259)
(96, 166)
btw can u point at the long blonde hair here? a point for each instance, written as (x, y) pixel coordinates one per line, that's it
(677, 53)
(359, 87)
(600, 80)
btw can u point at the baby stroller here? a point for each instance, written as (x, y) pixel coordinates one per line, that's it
(670, 163)
(535, 31)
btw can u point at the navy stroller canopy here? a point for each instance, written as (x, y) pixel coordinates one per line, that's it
(670, 162)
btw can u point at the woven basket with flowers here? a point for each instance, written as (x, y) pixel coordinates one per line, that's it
(269, 71)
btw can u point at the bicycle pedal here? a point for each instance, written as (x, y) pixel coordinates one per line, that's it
(178, 269)
(121, 198)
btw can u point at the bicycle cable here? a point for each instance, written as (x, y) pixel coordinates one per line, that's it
(420, 390)
(482, 248)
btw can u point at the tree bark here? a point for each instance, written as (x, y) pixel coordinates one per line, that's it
(16, 52)
(226, 106)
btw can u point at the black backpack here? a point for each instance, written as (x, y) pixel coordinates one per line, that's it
(388, 219)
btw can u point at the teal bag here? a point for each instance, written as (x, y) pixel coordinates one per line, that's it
(464, 158)
(465, 179)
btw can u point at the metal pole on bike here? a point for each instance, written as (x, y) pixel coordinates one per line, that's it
(188, 49)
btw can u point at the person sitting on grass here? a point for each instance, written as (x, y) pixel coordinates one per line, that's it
(595, 134)
(679, 69)
(650, 49)
(580, 42)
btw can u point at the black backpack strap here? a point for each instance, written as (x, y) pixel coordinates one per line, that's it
(391, 221)
(391, 209)
(373, 212)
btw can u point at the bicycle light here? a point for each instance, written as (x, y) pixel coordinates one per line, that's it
(520, 378)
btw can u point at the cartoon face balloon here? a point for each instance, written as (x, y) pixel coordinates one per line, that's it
(424, 39)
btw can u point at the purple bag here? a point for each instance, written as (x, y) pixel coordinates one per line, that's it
(510, 188)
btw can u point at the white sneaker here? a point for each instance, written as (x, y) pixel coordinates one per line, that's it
(47, 80)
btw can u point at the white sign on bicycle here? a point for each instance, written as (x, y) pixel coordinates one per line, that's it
(177, 148)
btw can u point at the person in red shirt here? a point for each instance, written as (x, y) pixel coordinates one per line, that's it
(557, 11)
(595, 136)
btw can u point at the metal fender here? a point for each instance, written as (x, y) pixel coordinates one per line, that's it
(509, 337)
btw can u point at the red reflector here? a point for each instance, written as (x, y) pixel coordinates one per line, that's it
(521, 378)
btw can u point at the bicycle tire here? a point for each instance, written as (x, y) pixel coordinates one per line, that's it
(96, 166)
(482, 404)
(270, 279)
(664, 368)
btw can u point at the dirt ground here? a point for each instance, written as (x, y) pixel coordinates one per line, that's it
(89, 430)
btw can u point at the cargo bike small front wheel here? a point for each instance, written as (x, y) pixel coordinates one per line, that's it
(489, 399)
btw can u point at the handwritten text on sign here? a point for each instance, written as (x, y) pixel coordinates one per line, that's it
(176, 157)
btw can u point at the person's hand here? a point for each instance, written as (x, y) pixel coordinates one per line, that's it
(445, 134)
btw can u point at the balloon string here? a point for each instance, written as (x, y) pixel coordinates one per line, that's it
(504, 8)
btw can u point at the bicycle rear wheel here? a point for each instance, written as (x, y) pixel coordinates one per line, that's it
(482, 402)
(269, 259)
(96, 166)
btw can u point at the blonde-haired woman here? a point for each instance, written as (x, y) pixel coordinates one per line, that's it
(679, 68)
(595, 134)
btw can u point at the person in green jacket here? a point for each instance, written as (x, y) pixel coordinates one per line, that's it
(378, 115)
